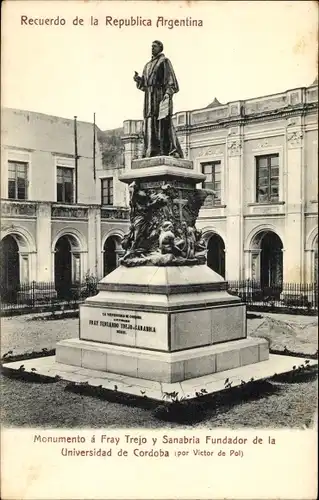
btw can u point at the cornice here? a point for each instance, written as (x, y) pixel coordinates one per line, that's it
(130, 137)
(17, 148)
(244, 120)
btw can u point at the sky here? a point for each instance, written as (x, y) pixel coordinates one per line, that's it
(243, 50)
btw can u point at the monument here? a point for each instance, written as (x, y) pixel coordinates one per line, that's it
(163, 315)
(159, 83)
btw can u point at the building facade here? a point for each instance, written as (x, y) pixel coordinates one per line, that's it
(260, 158)
(64, 210)
(62, 218)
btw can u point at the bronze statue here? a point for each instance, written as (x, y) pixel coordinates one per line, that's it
(163, 211)
(158, 82)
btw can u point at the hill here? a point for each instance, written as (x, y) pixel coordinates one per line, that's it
(112, 147)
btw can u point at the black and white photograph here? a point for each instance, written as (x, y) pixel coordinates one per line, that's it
(159, 248)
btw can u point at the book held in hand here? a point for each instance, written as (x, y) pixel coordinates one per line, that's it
(163, 109)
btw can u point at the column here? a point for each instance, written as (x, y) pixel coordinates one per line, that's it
(94, 240)
(24, 266)
(255, 265)
(43, 238)
(234, 264)
(76, 267)
(247, 266)
(311, 265)
(293, 265)
(252, 264)
(98, 256)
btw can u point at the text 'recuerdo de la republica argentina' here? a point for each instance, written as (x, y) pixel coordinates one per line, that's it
(114, 22)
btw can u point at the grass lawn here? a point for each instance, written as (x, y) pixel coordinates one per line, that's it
(28, 404)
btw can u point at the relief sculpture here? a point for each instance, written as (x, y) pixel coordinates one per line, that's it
(162, 226)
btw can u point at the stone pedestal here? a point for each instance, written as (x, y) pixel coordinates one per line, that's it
(166, 324)
(169, 321)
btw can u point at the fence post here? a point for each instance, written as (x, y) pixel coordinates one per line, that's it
(32, 293)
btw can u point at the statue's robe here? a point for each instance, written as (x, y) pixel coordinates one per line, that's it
(158, 79)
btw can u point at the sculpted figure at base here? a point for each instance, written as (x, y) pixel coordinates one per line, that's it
(159, 83)
(168, 243)
(144, 206)
(162, 232)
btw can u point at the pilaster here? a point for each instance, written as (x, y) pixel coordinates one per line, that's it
(234, 165)
(94, 240)
(293, 263)
(43, 238)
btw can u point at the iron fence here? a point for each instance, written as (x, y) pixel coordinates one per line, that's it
(33, 297)
(44, 296)
(290, 297)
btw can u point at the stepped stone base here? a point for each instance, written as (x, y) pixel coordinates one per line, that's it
(211, 383)
(162, 366)
(165, 324)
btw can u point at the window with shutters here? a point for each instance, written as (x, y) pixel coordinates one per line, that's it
(65, 185)
(267, 178)
(107, 191)
(212, 170)
(17, 180)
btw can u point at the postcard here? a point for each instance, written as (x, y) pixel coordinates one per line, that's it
(159, 250)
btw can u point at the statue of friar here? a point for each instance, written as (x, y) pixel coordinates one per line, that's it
(158, 82)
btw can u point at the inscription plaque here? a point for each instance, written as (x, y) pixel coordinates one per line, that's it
(124, 327)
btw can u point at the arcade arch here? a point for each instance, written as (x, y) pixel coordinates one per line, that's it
(112, 251)
(16, 246)
(266, 251)
(215, 252)
(67, 263)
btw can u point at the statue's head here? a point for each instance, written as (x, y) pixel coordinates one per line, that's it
(157, 47)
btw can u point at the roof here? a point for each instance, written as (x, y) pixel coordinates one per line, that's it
(45, 116)
(214, 104)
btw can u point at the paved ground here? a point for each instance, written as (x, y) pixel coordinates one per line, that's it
(22, 334)
(187, 389)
